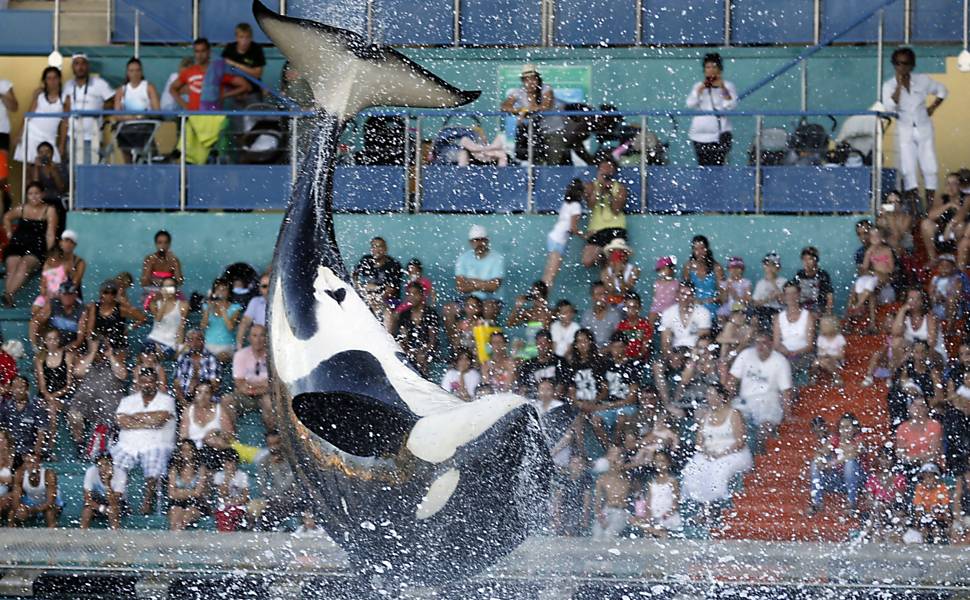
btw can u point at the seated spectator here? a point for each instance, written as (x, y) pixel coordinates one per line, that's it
(886, 360)
(188, 488)
(414, 273)
(281, 498)
(831, 350)
(915, 321)
(54, 369)
(62, 314)
(230, 494)
(545, 366)
(250, 374)
(794, 334)
(765, 381)
(945, 220)
(462, 378)
(462, 333)
(60, 267)
(700, 373)
(657, 436)
(916, 377)
(7, 469)
(665, 287)
(884, 491)
(100, 499)
(146, 435)
(721, 452)
(30, 242)
(418, 329)
(656, 510)
(26, 419)
(478, 151)
(546, 400)
(704, 273)
(623, 381)
(735, 291)
(137, 95)
(531, 310)
(895, 216)
(572, 498)
(637, 331)
(108, 318)
(499, 370)
(736, 335)
(208, 425)
(194, 366)
(960, 530)
(836, 465)
(956, 423)
(169, 316)
(931, 505)
(100, 378)
(612, 496)
(768, 292)
(875, 275)
(219, 319)
(255, 312)
(567, 225)
(35, 493)
(584, 376)
(681, 325)
(919, 440)
(52, 175)
(377, 277)
(619, 275)
(600, 318)
(161, 264)
(247, 57)
(606, 199)
(479, 272)
(949, 292)
(814, 283)
(563, 328)
(862, 231)
(150, 360)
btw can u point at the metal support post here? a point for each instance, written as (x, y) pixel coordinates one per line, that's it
(407, 160)
(370, 21)
(643, 164)
(817, 22)
(108, 14)
(183, 170)
(879, 54)
(71, 164)
(877, 164)
(195, 19)
(417, 164)
(283, 7)
(57, 25)
(804, 85)
(23, 178)
(758, 127)
(907, 20)
(294, 152)
(727, 23)
(639, 33)
(530, 167)
(456, 25)
(137, 32)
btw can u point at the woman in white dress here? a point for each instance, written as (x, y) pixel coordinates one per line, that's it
(47, 99)
(721, 453)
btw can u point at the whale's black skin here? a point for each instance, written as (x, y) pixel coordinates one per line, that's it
(366, 436)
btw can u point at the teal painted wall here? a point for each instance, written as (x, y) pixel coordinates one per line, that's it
(206, 243)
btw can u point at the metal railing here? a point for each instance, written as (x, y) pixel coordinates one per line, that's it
(419, 122)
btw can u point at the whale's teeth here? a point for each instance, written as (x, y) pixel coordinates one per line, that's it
(439, 493)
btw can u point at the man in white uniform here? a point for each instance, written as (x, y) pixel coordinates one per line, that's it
(906, 94)
(8, 104)
(85, 92)
(765, 382)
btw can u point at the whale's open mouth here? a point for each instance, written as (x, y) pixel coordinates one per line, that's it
(354, 423)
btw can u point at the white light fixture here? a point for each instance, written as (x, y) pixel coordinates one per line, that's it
(55, 59)
(963, 59)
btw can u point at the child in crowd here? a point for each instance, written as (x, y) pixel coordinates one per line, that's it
(735, 293)
(949, 290)
(664, 287)
(572, 498)
(830, 350)
(415, 273)
(637, 331)
(767, 295)
(655, 509)
(464, 330)
(660, 438)
(231, 494)
(612, 497)
(875, 274)
(567, 224)
(462, 379)
(564, 328)
(884, 363)
(814, 283)
(931, 505)
(619, 275)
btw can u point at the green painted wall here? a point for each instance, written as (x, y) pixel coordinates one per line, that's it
(206, 243)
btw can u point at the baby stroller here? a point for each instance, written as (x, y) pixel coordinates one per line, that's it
(447, 143)
(809, 144)
(773, 148)
(263, 138)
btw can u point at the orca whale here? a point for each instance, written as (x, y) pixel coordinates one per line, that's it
(412, 482)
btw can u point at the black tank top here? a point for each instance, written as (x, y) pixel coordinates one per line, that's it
(111, 327)
(55, 377)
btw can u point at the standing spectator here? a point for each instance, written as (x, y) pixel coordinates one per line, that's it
(231, 494)
(418, 329)
(525, 102)
(531, 310)
(161, 264)
(906, 93)
(767, 297)
(735, 291)
(563, 329)
(499, 370)
(100, 499)
(208, 425)
(37, 130)
(665, 287)
(462, 378)
(248, 57)
(765, 380)
(606, 198)
(255, 312)
(62, 314)
(188, 488)
(84, 92)
(377, 277)
(169, 316)
(637, 331)
(8, 104)
(567, 224)
(281, 499)
(190, 80)
(479, 272)
(711, 134)
(25, 419)
(704, 273)
(600, 318)
(33, 238)
(794, 333)
(612, 497)
(35, 493)
(620, 276)
(100, 377)
(54, 369)
(250, 375)
(219, 318)
(108, 318)
(194, 366)
(146, 436)
(814, 283)
(545, 366)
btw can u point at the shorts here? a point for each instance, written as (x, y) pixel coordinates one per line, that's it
(605, 236)
(153, 461)
(554, 246)
(198, 504)
(30, 502)
(866, 283)
(761, 410)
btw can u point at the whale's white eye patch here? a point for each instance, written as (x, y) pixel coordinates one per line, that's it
(439, 493)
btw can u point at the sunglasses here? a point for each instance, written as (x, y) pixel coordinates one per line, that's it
(264, 286)
(903, 63)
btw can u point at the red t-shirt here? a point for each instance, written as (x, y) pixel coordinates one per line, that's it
(8, 368)
(638, 335)
(194, 77)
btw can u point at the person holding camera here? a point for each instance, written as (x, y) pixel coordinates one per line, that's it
(711, 134)
(606, 198)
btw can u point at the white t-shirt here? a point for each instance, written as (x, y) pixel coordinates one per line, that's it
(762, 383)
(470, 381)
(256, 310)
(830, 346)
(562, 336)
(134, 440)
(90, 96)
(560, 231)
(764, 288)
(240, 482)
(92, 481)
(5, 86)
(685, 333)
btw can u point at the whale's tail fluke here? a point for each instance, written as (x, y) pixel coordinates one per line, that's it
(347, 74)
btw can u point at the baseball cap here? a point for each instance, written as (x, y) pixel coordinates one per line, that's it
(773, 258)
(666, 261)
(617, 245)
(735, 261)
(476, 232)
(930, 468)
(948, 257)
(78, 55)
(529, 69)
(69, 234)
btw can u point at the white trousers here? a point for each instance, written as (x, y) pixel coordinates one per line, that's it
(917, 150)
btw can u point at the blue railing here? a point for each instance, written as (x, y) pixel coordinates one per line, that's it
(751, 183)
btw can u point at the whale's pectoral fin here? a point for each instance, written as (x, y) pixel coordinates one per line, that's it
(347, 74)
